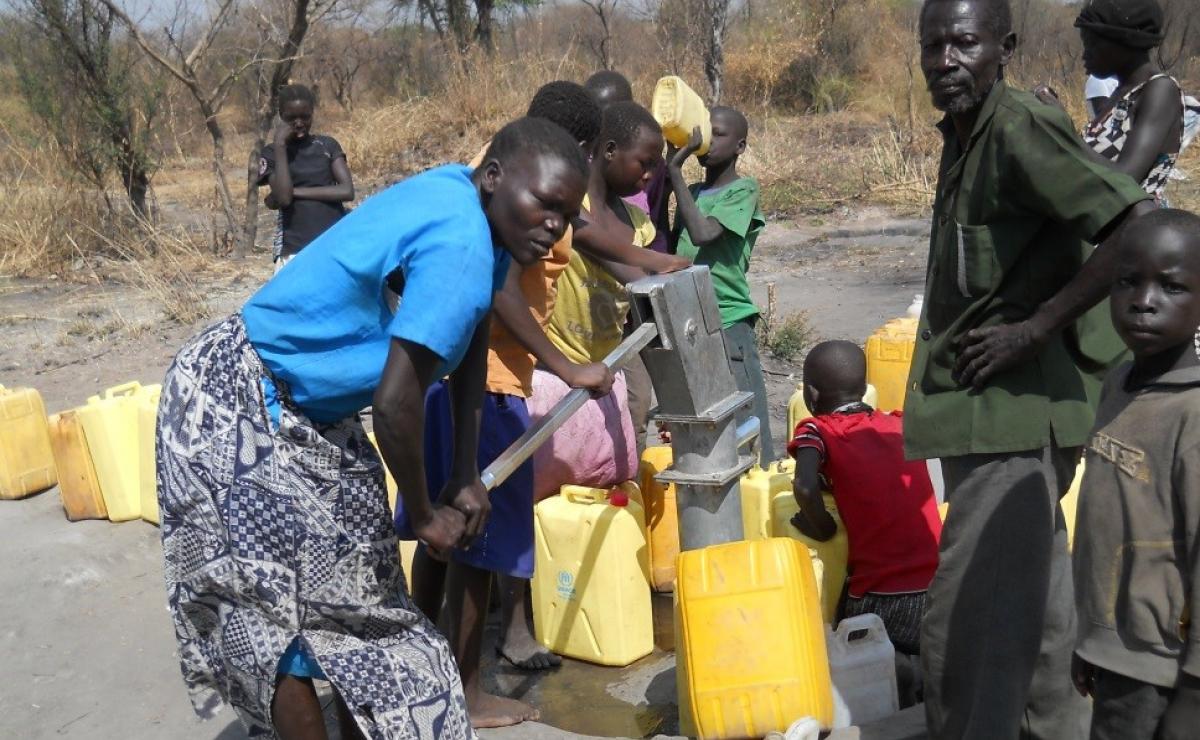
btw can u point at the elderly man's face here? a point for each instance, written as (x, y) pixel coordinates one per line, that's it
(960, 55)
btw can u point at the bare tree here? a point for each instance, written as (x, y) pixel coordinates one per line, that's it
(432, 11)
(483, 24)
(283, 35)
(458, 18)
(677, 25)
(188, 66)
(339, 55)
(605, 11)
(454, 18)
(82, 85)
(716, 13)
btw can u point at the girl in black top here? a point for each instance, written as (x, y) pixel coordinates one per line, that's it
(310, 190)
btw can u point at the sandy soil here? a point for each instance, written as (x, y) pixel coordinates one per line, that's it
(85, 639)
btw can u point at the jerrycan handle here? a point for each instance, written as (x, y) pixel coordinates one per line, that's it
(125, 389)
(870, 624)
(585, 495)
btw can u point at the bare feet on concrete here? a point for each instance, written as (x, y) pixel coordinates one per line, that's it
(525, 653)
(487, 710)
(517, 644)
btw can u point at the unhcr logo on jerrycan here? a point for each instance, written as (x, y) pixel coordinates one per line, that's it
(566, 585)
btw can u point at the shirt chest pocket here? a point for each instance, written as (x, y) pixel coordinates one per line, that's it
(976, 270)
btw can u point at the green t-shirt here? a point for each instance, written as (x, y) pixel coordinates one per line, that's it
(1012, 215)
(735, 206)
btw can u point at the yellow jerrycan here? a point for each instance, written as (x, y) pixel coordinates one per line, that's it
(759, 486)
(26, 458)
(147, 410)
(662, 518)
(110, 422)
(407, 548)
(591, 584)
(678, 109)
(750, 647)
(889, 356)
(388, 481)
(833, 555)
(1070, 503)
(77, 484)
(798, 409)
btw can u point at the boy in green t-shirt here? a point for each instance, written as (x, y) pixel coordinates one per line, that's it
(716, 224)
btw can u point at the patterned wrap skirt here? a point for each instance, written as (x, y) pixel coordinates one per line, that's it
(278, 533)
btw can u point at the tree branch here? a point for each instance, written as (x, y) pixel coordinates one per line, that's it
(175, 70)
(207, 39)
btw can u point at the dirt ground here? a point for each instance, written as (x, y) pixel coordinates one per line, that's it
(85, 638)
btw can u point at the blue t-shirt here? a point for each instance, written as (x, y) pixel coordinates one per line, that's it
(323, 325)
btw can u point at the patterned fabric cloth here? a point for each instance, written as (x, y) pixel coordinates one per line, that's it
(901, 615)
(270, 534)
(1107, 136)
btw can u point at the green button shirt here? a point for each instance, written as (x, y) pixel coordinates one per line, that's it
(1012, 222)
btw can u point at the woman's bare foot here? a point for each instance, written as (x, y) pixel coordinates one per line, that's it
(487, 710)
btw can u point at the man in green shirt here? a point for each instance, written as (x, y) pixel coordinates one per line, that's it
(1005, 378)
(717, 223)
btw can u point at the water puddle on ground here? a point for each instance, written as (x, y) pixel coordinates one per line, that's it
(636, 701)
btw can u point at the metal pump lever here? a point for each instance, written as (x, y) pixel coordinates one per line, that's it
(536, 435)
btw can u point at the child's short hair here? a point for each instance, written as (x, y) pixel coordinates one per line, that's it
(739, 118)
(622, 122)
(569, 105)
(531, 136)
(1172, 219)
(292, 93)
(835, 363)
(609, 80)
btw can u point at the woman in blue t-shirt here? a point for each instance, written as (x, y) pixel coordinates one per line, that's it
(278, 544)
(310, 190)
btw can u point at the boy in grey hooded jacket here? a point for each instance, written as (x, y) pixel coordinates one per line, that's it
(1137, 551)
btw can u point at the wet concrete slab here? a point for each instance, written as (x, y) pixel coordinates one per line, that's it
(582, 699)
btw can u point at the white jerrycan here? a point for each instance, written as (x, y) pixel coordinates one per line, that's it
(862, 664)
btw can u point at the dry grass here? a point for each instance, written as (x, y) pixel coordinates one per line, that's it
(392, 141)
(1185, 194)
(52, 225)
(814, 163)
